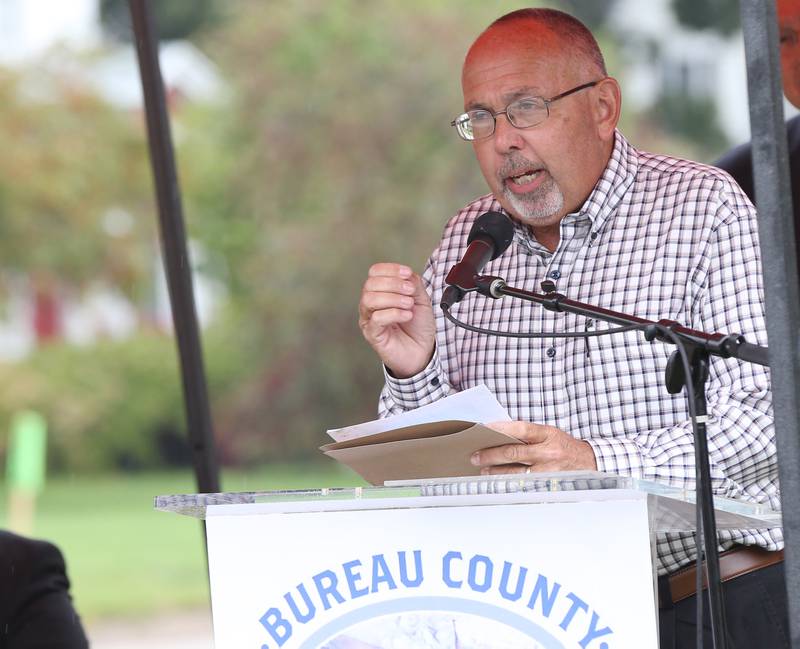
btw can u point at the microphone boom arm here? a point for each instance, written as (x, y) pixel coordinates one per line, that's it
(716, 344)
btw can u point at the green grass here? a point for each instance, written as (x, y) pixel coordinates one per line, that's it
(126, 559)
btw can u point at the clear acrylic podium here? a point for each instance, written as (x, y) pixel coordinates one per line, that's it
(525, 561)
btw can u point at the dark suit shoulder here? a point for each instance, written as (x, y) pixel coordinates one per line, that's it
(35, 605)
(793, 132)
(738, 162)
(23, 559)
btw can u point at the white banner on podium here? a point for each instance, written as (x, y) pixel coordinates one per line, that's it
(534, 576)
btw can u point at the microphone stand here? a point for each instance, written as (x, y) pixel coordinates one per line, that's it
(699, 347)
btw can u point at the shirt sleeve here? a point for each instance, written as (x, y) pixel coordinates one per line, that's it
(726, 295)
(400, 395)
(427, 386)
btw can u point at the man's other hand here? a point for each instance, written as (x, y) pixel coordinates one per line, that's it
(542, 449)
(396, 318)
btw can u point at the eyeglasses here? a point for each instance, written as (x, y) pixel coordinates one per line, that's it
(479, 124)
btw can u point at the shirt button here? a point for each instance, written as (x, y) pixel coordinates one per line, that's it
(435, 381)
(551, 352)
(555, 274)
(593, 235)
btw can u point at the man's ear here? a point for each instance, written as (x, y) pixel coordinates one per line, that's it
(607, 106)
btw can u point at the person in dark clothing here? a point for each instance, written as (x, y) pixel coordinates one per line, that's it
(36, 610)
(738, 162)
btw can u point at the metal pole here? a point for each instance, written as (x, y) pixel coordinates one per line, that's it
(176, 255)
(777, 240)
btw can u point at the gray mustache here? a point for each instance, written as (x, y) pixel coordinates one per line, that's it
(516, 166)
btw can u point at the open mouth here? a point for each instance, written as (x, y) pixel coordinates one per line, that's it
(525, 178)
(525, 181)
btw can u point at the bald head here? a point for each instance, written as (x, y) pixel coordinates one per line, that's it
(547, 32)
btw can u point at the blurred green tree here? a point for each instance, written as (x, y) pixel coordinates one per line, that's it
(74, 186)
(77, 211)
(593, 14)
(693, 118)
(718, 15)
(175, 19)
(334, 152)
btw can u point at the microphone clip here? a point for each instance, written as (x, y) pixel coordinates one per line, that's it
(490, 286)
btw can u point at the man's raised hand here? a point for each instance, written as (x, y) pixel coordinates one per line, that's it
(396, 318)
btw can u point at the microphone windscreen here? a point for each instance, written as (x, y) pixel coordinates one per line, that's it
(497, 227)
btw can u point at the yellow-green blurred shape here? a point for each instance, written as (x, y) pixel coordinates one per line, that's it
(25, 468)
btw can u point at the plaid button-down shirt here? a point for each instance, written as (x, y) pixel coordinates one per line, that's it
(657, 238)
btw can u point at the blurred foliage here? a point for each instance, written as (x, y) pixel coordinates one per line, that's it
(340, 155)
(116, 405)
(693, 118)
(105, 404)
(174, 19)
(719, 15)
(592, 14)
(56, 196)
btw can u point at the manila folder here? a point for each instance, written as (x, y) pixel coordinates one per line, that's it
(440, 449)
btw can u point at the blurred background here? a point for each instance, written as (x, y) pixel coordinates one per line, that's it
(312, 140)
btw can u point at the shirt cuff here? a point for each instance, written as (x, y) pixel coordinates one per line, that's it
(618, 456)
(425, 387)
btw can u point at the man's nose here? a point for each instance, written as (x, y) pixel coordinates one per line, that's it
(506, 135)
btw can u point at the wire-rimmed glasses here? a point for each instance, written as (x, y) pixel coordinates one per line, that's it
(524, 112)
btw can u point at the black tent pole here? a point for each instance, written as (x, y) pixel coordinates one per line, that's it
(777, 239)
(176, 256)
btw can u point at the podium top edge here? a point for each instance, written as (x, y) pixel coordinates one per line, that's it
(422, 492)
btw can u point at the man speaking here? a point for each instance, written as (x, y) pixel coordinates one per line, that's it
(609, 225)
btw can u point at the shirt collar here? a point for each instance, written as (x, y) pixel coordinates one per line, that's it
(615, 181)
(617, 178)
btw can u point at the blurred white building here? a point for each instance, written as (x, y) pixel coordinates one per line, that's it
(30, 31)
(661, 54)
(29, 28)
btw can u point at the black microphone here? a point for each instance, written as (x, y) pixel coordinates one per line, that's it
(489, 237)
